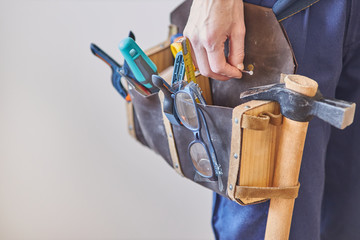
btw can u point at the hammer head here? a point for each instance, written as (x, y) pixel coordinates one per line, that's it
(301, 108)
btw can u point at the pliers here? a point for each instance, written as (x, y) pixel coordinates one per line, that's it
(116, 71)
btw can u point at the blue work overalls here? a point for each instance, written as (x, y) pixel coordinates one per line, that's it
(326, 42)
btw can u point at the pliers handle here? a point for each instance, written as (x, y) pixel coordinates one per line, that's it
(115, 67)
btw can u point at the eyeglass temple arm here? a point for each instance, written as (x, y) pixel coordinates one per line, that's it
(218, 169)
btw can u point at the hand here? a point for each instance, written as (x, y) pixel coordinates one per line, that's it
(210, 23)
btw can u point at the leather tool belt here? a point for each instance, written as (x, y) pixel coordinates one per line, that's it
(244, 134)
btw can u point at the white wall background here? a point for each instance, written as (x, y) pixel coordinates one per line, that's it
(68, 168)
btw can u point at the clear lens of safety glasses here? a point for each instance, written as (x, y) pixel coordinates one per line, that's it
(186, 110)
(200, 158)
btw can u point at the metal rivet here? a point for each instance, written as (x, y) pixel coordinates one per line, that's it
(236, 156)
(236, 120)
(170, 135)
(246, 107)
(231, 187)
(130, 127)
(177, 166)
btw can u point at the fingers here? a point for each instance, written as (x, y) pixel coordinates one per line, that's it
(211, 60)
(219, 66)
(212, 63)
(210, 23)
(201, 61)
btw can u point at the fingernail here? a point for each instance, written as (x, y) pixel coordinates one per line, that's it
(240, 66)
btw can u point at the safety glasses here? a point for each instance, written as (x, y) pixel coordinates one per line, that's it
(203, 157)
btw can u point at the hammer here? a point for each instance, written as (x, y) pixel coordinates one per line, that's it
(299, 101)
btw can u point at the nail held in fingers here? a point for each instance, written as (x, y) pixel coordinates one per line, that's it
(241, 68)
(248, 72)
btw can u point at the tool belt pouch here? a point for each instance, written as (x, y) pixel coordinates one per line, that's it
(244, 134)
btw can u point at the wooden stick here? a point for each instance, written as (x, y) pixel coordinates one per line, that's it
(288, 162)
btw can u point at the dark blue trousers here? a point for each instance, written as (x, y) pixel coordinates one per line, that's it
(326, 42)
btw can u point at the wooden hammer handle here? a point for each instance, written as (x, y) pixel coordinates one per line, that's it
(288, 162)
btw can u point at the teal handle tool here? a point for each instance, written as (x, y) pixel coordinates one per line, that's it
(140, 64)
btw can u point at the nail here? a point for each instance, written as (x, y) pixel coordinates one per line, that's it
(248, 72)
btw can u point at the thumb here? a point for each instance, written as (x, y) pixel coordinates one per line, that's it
(237, 49)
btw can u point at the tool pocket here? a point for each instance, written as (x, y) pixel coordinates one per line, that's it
(148, 113)
(172, 141)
